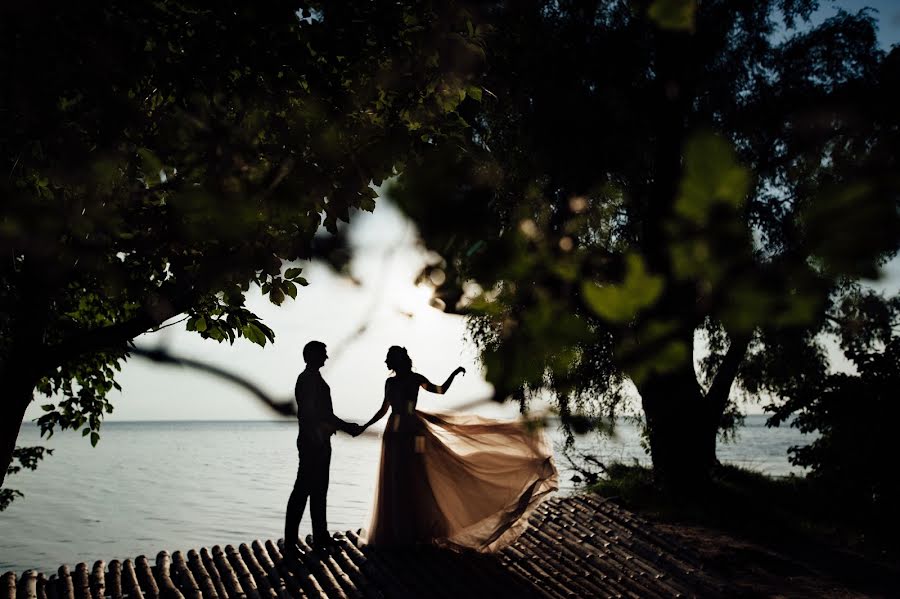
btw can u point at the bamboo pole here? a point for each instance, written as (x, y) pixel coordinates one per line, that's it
(80, 582)
(130, 585)
(53, 587)
(183, 578)
(263, 586)
(214, 574)
(366, 566)
(97, 580)
(64, 584)
(643, 550)
(202, 576)
(114, 579)
(537, 571)
(167, 588)
(266, 563)
(562, 559)
(295, 575)
(145, 577)
(292, 584)
(340, 555)
(9, 585)
(316, 562)
(229, 577)
(628, 561)
(41, 586)
(242, 572)
(27, 587)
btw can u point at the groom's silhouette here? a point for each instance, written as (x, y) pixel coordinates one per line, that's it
(317, 423)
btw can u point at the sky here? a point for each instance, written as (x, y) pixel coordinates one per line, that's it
(332, 309)
(887, 14)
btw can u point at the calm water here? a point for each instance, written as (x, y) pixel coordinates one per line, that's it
(150, 486)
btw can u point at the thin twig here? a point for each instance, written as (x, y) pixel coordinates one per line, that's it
(377, 298)
(165, 326)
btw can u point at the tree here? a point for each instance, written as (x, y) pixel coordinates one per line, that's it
(852, 457)
(163, 157)
(652, 173)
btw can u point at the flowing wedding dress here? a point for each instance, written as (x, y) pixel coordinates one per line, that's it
(458, 481)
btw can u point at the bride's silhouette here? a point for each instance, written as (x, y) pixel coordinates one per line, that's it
(454, 480)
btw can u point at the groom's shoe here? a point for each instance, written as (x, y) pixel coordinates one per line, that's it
(324, 544)
(292, 552)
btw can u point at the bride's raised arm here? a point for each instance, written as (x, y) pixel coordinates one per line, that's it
(440, 389)
(382, 410)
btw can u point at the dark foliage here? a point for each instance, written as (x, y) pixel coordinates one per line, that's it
(650, 173)
(160, 158)
(854, 457)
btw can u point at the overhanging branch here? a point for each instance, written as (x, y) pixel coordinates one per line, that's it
(161, 356)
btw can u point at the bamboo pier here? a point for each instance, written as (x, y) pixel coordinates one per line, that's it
(579, 546)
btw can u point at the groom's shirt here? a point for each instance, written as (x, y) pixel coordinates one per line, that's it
(314, 410)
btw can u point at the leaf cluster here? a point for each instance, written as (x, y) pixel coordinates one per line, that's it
(164, 158)
(653, 171)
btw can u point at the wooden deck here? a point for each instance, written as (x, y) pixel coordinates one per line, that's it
(580, 546)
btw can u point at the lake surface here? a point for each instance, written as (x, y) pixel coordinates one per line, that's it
(150, 486)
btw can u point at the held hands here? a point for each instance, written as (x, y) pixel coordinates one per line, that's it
(356, 430)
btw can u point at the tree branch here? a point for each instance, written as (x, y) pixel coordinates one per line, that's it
(717, 396)
(161, 356)
(119, 334)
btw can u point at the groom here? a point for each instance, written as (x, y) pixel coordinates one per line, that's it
(317, 423)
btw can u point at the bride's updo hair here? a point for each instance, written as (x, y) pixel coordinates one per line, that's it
(398, 360)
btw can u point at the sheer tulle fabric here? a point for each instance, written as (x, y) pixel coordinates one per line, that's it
(459, 481)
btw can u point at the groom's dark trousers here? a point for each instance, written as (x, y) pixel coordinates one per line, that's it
(311, 483)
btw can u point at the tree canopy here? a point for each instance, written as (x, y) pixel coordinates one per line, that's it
(161, 158)
(605, 182)
(654, 174)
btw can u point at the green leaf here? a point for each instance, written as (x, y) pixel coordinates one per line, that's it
(292, 273)
(276, 295)
(290, 289)
(712, 176)
(95, 437)
(85, 432)
(201, 324)
(676, 15)
(620, 303)
(48, 407)
(474, 92)
(254, 334)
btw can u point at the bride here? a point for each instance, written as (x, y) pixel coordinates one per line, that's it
(454, 480)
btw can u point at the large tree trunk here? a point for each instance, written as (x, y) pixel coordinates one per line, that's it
(681, 429)
(18, 392)
(683, 422)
